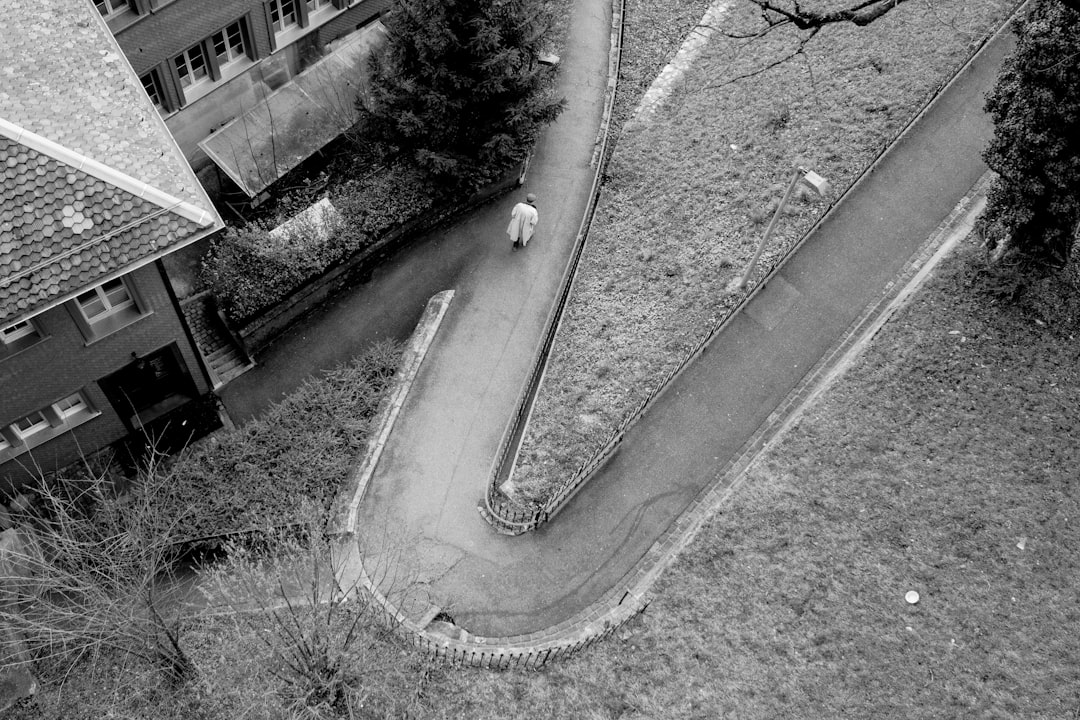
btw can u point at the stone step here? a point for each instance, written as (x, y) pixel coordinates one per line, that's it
(223, 355)
(233, 371)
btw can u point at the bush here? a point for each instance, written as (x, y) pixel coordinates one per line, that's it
(254, 477)
(84, 578)
(243, 277)
(327, 645)
(248, 269)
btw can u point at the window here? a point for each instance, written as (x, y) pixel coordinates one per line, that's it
(111, 8)
(10, 334)
(291, 19)
(31, 424)
(191, 66)
(71, 405)
(106, 308)
(44, 424)
(229, 45)
(153, 88)
(17, 337)
(219, 57)
(284, 15)
(109, 299)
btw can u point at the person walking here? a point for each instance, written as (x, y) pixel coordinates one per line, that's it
(522, 221)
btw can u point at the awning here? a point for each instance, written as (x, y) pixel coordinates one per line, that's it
(296, 120)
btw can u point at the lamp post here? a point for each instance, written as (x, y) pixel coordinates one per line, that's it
(800, 174)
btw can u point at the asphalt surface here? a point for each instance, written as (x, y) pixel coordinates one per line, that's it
(419, 511)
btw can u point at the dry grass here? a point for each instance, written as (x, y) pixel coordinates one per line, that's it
(687, 195)
(951, 443)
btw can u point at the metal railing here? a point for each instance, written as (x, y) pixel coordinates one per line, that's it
(503, 514)
(514, 518)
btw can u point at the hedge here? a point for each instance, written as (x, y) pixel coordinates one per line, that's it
(249, 270)
(260, 475)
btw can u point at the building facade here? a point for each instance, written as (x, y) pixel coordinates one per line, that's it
(205, 63)
(94, 194)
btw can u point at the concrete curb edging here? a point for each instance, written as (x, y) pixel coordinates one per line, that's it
(533, 650)
(348, 499)
(832, 365)
(629, 597)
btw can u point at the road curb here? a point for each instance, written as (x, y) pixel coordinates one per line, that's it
(832, 365)
(352, 491)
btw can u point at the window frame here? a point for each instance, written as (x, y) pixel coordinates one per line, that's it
(231, 58)
(115, 316)
(155, 90)
(117, 8)
(216, 71)
(55, 421)
(109, 306)
(186, 56)
(308, 19)
(34, 428)
(12, 338)
(17, 343)
(276, 6)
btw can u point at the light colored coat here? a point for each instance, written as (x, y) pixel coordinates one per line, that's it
(522, 221)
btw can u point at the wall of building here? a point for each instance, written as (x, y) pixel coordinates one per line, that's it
(151, 41)
(166, 32)
(63, 363)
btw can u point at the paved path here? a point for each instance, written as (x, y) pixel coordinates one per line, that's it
(435, 466)
(433, 470)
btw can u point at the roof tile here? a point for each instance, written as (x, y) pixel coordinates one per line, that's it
(62, 227)
(59, 243)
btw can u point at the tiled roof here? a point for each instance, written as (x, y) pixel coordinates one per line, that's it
(83, 152)
(62, 229)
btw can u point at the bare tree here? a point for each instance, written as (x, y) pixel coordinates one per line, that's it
(88, 576)
(783, 12)
(808, 19)
(326, 639)
(777, 13)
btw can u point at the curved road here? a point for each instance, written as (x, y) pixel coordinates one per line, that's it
(419, 510)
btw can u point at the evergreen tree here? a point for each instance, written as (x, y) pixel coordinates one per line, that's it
(459, 86)
(1034, 205)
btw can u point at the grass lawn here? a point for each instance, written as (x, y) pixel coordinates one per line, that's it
(945, 462)
(687, 195)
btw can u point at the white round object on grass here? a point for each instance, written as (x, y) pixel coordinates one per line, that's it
(912, 597)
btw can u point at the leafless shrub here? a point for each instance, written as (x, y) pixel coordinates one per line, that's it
(91, 572)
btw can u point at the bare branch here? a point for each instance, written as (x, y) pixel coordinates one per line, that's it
(797, 51)
(860, 14)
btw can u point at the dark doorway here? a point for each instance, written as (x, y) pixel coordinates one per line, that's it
(159, 403)
(149, 387)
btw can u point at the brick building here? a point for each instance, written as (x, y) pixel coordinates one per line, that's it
(94, 193)
(212, 67)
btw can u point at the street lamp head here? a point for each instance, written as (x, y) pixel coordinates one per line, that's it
(811, 178)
